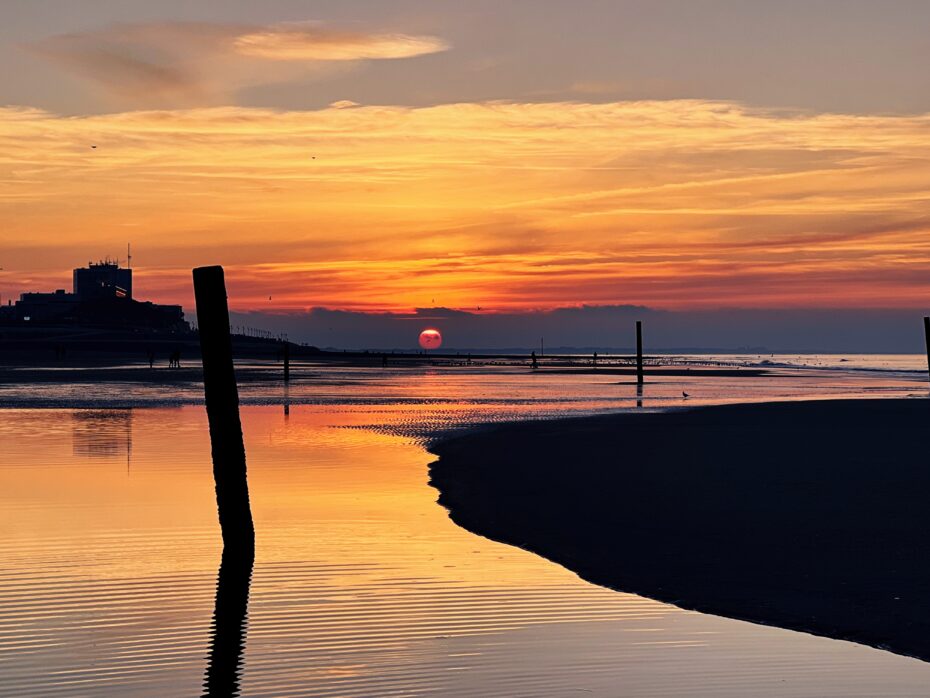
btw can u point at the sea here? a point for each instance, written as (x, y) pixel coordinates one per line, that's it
(362, 585)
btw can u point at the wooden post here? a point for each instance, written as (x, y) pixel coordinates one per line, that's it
(287, 361)
(927, 339)
(639, 352)
(222, 398)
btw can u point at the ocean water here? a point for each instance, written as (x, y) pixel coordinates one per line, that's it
(362, 586)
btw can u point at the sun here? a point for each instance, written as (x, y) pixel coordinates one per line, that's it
(430, 338)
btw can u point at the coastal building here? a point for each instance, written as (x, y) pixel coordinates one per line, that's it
(102, 280)
(101, 296)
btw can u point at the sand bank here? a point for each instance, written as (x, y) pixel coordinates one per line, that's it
(813, 516)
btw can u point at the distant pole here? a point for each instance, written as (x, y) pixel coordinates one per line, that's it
(222, 399)
(639, 352)
(927, 339)
(287, 362)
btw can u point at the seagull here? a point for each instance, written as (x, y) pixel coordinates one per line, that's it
(684, 394)
(93, 147)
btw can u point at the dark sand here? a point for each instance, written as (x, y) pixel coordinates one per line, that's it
(813, 516)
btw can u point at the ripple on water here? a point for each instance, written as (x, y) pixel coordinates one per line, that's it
(361, 586)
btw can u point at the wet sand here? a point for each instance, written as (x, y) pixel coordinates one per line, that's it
(678, 371)
(813, 516)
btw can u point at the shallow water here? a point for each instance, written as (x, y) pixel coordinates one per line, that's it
(362, 586)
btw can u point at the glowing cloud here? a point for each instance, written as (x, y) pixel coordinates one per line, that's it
(311, 42)
(674, 204)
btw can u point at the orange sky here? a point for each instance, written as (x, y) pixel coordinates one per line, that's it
(675, 204)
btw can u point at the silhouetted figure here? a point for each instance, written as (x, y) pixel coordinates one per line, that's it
(594, 361)
(534, 363)
(229, 625)
(151, 358)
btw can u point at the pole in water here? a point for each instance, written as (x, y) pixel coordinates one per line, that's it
(287, 362)
(927, 339)
(222, 400)
(639, 352)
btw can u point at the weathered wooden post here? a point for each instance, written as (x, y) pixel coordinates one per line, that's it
(639, 352)
(927, 340)
(222, 399)
(287, 361)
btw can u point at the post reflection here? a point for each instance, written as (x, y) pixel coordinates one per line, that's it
(230, 617)
(639, 394)
(101, 433)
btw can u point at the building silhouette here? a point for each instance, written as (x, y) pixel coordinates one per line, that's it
(102, 280)
(101, 296)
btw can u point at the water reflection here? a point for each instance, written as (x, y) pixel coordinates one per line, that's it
(101, 433)
(363, 587)
(224, 664)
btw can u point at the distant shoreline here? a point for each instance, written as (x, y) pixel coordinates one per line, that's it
(811, 515)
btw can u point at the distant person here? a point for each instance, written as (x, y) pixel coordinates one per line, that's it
(534, 362)
(594, 363)
(151, 359)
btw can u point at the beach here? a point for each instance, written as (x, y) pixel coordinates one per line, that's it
(362, 584)
(805, 515)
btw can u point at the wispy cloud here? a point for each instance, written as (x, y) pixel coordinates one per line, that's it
(500, 205)
(200, 63)
(312, 42)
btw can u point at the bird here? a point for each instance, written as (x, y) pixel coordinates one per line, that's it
(684, 394)
(269, 297)
(93, 147)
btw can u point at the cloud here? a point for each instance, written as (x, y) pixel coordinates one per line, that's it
(507, 206)
(304, 41)
(201, 63)
(597, 328)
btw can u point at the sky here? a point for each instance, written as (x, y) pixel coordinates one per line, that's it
(496, 160)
